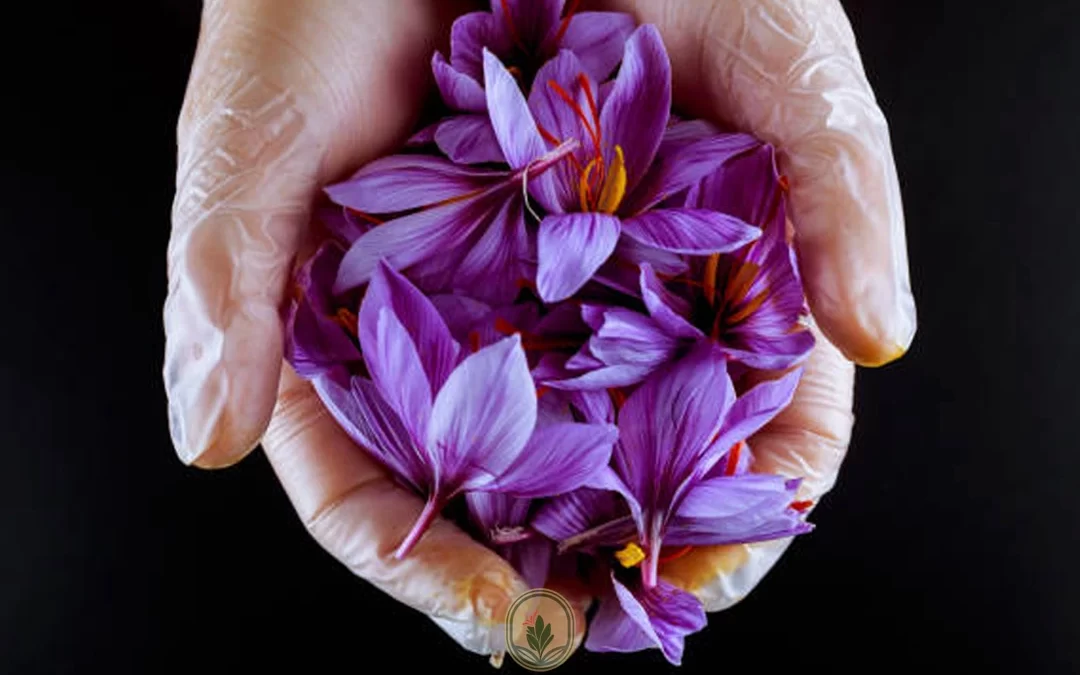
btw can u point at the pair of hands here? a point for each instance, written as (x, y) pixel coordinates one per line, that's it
(286, 97)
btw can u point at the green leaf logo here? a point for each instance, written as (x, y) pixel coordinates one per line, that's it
(547, 641)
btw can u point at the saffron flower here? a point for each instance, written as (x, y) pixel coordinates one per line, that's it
(680, 466)
(523, 34)
(608, 185)
(750, 303)
(320, 328)
(447, 425)
(453, 228)
(674, 432)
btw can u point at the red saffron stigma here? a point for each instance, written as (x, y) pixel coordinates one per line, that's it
(474, 341)
(733, 459)
(674, 555)
(510, 24)
(364, 216)
(577, 111)
(541, 390)
(346, 319)
(565, 22)
(504, 326)
(618, 398)
(785, 185)
(802, 505)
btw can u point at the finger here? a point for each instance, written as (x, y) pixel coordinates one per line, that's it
(789, 71)
(280, 99)
(359, 515)
(808, 440)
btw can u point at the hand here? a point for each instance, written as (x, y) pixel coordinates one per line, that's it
(283, 99)
(788, 71)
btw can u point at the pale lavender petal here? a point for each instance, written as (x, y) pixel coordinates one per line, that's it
(736, 509)
(361, 411)
(691, 231)
(571, 514)
(437, 349)
(771, 352)
(614, 629)
(423, 236)
(494, 265)
(756, 408)
(603, 378)
(458, 90)
(483, 416)
(632, 338)
(404, 182)
(470, 35)
(636, 111)
(685, 165)
(570, 248)
(666, 308)
(598, 39)
(666, 425)
(469, 139)
(511, 120)
(396, 368)
(663, 616)
(558, 458)
(492, 511)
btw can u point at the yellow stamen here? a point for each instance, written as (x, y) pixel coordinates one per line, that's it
(630, 555)
(614, 184)
(709, 280)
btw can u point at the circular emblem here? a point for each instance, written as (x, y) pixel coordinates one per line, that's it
(540, 630)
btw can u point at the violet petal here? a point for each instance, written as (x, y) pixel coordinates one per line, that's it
(469, 139)
(570, 248)
(690, 231)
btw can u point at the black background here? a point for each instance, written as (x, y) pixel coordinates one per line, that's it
(949, 542)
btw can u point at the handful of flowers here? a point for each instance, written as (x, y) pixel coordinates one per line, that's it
(561, 312)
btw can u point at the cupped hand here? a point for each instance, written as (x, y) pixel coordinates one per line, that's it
(789, 72)
(286, 97)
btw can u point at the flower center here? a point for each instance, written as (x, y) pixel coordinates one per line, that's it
(600, 186)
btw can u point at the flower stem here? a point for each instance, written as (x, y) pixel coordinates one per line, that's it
(423, 522)
(650, 567)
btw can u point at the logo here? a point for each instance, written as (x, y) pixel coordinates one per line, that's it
(540, 630)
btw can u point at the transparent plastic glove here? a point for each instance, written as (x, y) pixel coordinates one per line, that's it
(789, 72)
(285, 97)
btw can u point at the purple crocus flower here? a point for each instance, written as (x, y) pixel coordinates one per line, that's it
(750, 302)
(456, 229)
(609, 184)
(320, 328)
(447, 425)
(632, 617)
(677, 466)
(681, 468)
(523, 34)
